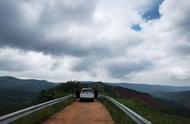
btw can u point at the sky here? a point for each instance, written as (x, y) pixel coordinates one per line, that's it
(137, 41)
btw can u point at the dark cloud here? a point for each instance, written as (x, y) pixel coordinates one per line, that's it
(68, 11)
(183, 25)
(122, 70)
(86, 64)
(14, 31)
(83, 66)
(183, 50)
(9, 64)
(70, 48)
(180, 78)
(17, 33)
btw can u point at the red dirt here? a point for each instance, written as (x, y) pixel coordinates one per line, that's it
(82, 113)
(131, 94)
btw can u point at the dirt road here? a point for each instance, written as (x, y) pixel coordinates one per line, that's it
(82, 113)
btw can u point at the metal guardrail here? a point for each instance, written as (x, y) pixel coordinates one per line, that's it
(21, 113)
(136, 117)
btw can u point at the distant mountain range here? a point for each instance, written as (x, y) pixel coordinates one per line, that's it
(29, 85)
(17, 93)
(177, 94)
(152, 88)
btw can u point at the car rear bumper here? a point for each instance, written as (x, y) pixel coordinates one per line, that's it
(86, 99)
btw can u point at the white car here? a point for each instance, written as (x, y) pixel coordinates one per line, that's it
(87, 94)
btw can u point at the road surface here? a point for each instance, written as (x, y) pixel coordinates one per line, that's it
(82, 113)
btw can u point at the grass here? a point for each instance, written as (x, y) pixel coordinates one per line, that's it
(118, 116)
(39, 116)
(153, 114)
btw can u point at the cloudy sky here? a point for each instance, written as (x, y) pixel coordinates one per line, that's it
(142, 41)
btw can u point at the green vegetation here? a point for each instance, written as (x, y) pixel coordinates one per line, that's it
(17, 93)
(118, 116)
(181, 98)
(154, 115)
(41, 115)
(165, 113)
(61, 90)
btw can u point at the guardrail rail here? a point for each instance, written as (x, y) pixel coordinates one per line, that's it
(23, 112)
(136, 117)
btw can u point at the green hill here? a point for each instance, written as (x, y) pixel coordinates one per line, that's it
(18, 93)
(182, 98)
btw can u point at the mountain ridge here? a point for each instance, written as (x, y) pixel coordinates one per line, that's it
(149, 88)
(18, 93)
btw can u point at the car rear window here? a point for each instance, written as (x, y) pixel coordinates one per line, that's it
(87, 91)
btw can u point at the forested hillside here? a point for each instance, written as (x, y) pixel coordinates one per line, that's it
(18, 93)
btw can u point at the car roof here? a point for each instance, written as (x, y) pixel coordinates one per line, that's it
(86, 88)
